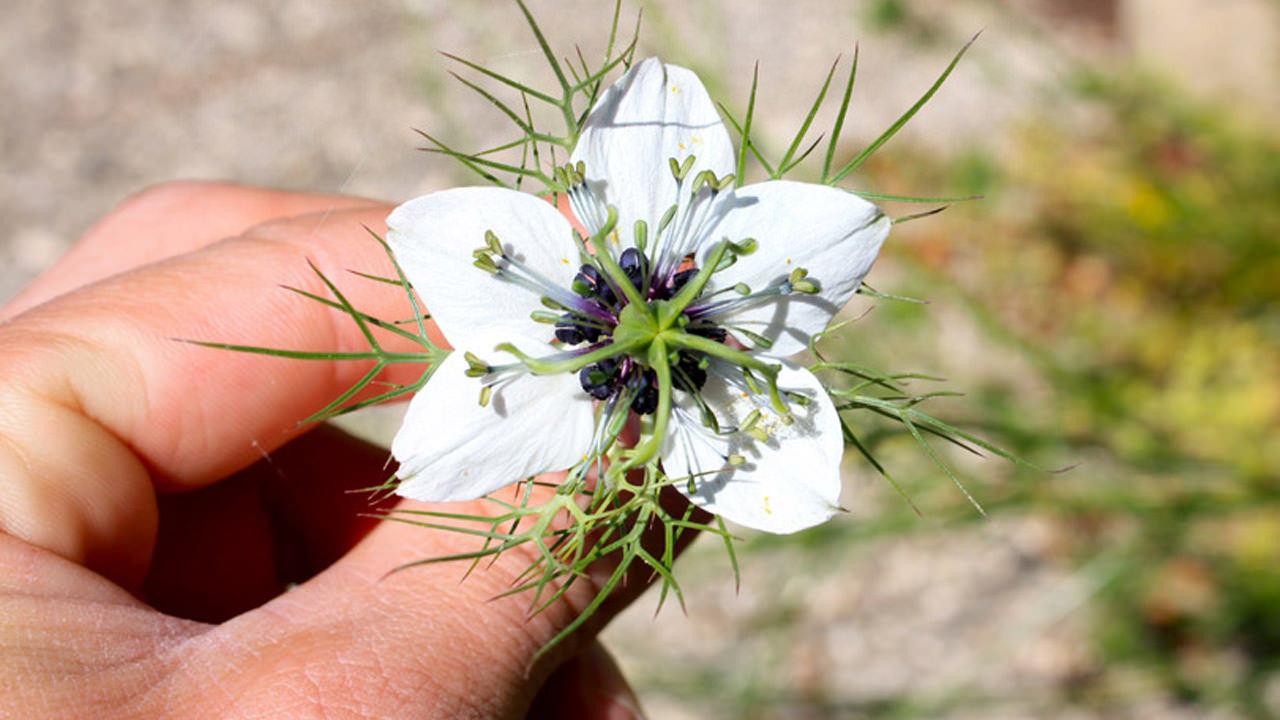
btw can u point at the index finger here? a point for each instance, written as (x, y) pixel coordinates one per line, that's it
(166, 220)
(97, 399)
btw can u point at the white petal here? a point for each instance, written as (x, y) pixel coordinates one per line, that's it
(651, 114)
(789, 483)
(833, 234)
(433, 238)
(451, 448)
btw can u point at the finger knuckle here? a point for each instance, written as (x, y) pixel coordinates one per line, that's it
(168, 196)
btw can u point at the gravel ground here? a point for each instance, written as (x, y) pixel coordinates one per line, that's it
(104, 97)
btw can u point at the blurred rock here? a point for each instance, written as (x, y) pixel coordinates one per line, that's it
(1226, 50)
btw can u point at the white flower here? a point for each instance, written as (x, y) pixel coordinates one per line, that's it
(744, 432)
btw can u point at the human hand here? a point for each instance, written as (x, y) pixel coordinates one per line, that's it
(133, 466)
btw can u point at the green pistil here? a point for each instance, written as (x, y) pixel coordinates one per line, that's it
(675, 307)
(610, 266)
(636, 327)
(744, 360)
(540, 366)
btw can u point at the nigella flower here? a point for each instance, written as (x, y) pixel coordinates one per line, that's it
(681, 306)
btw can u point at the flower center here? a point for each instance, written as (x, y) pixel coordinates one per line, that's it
(625, 377)
(638, 327)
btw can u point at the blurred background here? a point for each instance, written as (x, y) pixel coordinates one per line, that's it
(1111, 304)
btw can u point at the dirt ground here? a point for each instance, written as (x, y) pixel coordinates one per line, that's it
(104, 97)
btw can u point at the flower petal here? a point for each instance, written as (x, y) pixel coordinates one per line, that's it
(653, 113)
(451, 448)
(434, 236)
(789, 482)
(833, 234)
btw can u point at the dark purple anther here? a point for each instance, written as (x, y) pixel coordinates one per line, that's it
(607, 378)
(587, 281)
(647, 401)
(633, 264)
(600, 380)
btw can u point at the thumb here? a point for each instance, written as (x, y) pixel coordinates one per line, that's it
(422, 641)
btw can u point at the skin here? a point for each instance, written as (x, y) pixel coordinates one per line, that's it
(156, 498)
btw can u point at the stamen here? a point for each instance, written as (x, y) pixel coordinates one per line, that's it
(644, 381)
(708, 417)
(499, 375)
(518, 273)
(681, 241)
(586, 206)
(475, 366)
(808, 287)
(799, 284)
(782, 287)
(613, 418)
(619, 408)
(572, 318)
(799, 398)
(665, 221)
(680, 169)
(493, 243)
(699, 213)
(660, 240)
